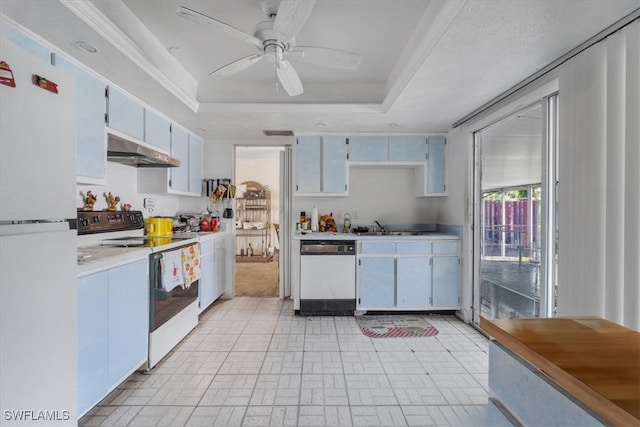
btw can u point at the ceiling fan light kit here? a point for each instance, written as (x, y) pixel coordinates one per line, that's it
(275, 40)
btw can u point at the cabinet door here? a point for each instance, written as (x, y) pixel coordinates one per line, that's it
(91, 150)
(206, 290)
(125, 114)
(376, 276)
(180, 150)
(368, 148)
(436, 164)
(408, 148)
(413, 280)
(30, 45)
(220, 266)
(157, 130)
(334, 164)
(308, 152)
(128, 318)
(93, 339)
(446, 281)
(195, 164)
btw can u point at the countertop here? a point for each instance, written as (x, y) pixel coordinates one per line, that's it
(96, 258)
(352, 236)
(595, 360)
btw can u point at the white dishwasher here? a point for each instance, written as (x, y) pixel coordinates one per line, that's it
(327, 277)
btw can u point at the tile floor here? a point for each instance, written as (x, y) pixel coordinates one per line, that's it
(252, 362)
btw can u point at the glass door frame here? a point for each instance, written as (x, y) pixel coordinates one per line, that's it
(549, 237)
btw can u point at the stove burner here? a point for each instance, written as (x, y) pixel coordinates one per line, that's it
(141, 242)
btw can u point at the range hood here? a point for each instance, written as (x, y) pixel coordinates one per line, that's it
(131, 153)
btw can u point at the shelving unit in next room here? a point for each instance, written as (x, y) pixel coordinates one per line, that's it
(253, 223)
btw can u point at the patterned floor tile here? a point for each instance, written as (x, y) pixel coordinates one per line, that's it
(282, 362)
(217, 416)
(323, 389)
(377, 416)
(266, 416)
(321, 416)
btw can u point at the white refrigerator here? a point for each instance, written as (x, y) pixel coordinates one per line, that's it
(38, 261)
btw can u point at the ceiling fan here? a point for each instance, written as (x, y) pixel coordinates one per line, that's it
(275, 40)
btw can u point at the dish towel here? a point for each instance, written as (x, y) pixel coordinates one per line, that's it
(191, 264)
(172, 274)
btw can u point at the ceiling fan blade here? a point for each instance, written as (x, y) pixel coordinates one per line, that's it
(291, 17)
(235, 66)
(326, 57)
(289, 78)
(219, 26)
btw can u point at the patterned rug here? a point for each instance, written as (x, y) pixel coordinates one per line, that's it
(388, 326)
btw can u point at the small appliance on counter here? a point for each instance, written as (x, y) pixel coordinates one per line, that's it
(158, 226)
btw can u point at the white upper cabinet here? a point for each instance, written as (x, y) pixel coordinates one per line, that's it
(436, 183)
(430, 180)
(410, 148)
(185, 179)
(321, 166)
(125, 114)
(393, 148)
(30, 45)
(157, 130)
(368, 148)
(91, 150)
(195, 164)
(179, 176)
(308, 149)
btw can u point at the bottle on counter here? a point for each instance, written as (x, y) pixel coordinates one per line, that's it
(303, 220)
(314, 219)
(346, 222)
(250, 250)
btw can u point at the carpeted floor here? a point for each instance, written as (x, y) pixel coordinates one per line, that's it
(257, 279)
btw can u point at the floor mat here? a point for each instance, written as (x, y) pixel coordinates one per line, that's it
(387, 326)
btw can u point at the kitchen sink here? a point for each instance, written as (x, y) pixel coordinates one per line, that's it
(393, 233)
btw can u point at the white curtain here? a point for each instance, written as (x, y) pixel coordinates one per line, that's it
(599, 181)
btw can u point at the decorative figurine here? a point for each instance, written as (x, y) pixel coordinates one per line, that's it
(112, 201)
(89, 201)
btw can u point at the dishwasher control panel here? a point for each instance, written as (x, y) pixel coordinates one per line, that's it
(327, 247)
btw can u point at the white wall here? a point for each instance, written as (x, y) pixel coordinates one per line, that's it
(382, 194)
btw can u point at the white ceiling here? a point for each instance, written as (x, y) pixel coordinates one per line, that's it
(425, 63)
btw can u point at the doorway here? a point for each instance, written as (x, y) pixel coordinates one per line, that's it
(516, 236)
(260, 195)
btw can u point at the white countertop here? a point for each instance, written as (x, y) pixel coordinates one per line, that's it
(434, 235)
(96, 258)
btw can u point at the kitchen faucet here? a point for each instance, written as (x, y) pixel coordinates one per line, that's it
(379, 225)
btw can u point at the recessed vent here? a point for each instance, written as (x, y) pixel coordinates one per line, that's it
(278, 132)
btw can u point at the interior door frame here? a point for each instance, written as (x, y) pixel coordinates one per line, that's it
(284, 203)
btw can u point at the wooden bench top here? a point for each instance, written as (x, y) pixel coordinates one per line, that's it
(595, 360)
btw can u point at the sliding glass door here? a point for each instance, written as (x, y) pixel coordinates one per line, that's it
(512, 227)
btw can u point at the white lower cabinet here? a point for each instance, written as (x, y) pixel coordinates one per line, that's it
(113, 329)
(213, 270)
(413, 281)
(377, 277)
(206, 291)
(220, 259)
(408, 275)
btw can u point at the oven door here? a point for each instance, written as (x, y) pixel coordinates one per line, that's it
(169, 295)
